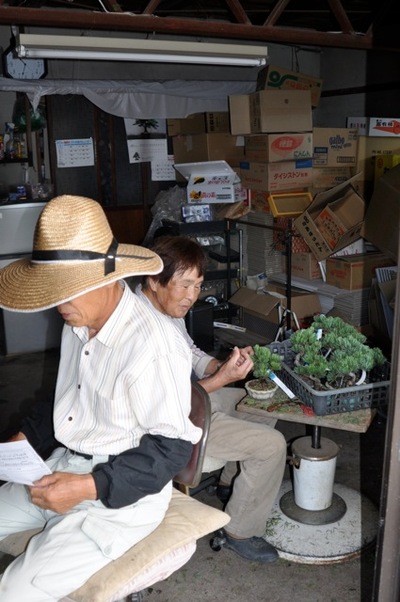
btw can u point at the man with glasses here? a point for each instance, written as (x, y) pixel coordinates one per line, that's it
(249, 489)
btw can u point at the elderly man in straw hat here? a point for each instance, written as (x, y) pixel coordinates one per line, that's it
(121, 405)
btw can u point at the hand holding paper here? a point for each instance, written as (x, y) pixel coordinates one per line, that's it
(19, 463)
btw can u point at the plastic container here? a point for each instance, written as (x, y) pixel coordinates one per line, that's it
(348, 399)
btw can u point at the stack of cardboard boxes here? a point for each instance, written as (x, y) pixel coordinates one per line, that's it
(268, 139)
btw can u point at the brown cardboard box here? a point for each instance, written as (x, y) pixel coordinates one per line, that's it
(260, 311)
(328, 177)
(349, 212)
(200, 123)
(303, 303)
(259, 201)
(335, 147)
(383, 164)
(286, 175)
(353, 272)
(339, 216)
(304, 265)
(278, 147)
(239, 112)
(369, 148)
(193, 148)
(383, 214)
(273, 111)
(279, 78)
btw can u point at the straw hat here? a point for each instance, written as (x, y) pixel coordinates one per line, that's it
(74, 252)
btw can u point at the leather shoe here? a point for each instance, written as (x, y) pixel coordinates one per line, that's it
(253, 548)
(224, 493)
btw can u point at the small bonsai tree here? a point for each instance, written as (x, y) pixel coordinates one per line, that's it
(265, 362)
(333, 354)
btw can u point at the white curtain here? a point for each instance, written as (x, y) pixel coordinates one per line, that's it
(139, 99)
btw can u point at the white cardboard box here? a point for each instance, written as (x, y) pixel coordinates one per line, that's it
(210, 182)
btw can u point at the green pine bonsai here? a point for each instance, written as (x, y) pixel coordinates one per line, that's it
(265, 362)
(333, 354)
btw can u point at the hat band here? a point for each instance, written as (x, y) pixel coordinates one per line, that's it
(70, 255)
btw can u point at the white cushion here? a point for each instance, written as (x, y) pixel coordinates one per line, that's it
(151, 560)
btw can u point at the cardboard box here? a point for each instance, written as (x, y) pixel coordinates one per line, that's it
(304, 265)
(383, 164)
(260, 311)
(334, 147)
(353, 272)
(209, 182)
(239, 112)
(273, 111)
(328, 177)
(278, 147)
(278, 78)
(259, 201)
(196, 148)
(286, 175)
(303, 303)
(368, 149)
(383, 215)
(200, 123)
(339, 216)
(384, 127)
(350, 208)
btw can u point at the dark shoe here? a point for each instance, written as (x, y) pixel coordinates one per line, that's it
(224, 493)
(253, 548)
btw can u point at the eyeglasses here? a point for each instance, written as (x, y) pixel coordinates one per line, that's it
(197, 288)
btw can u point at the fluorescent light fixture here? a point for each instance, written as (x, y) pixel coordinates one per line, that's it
(128, 49)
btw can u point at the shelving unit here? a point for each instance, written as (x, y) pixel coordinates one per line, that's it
(224, 228)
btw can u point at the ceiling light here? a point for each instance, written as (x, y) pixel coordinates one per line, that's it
(139, 50)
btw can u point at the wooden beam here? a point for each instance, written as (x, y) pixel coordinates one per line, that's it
(71, 19)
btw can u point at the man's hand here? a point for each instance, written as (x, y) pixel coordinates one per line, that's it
(236, 367)
(61, 491)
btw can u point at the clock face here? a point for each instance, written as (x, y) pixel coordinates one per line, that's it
(22, 68)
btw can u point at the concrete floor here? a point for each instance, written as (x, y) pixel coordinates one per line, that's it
(222, 575)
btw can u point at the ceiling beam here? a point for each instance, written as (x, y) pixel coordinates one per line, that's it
(115, 21)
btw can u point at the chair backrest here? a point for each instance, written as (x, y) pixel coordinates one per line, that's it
(200, 415)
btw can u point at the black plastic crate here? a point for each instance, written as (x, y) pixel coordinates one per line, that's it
(348, 399)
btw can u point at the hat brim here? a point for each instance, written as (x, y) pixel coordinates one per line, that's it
(26, 286)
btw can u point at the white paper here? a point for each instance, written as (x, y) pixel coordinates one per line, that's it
(19, 463)
(163, 171)
(143, 150)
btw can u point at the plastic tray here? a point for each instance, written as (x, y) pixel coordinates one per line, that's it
(374, 394)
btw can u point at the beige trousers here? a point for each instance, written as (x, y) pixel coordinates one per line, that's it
(255, 454)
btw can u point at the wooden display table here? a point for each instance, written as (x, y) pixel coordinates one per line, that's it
(357, 421)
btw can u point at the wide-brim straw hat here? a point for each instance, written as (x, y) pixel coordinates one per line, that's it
(74, 252)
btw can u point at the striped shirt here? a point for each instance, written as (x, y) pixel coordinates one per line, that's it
(132, 378)
(199, 358)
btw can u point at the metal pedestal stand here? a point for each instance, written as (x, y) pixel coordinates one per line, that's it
(332, 534)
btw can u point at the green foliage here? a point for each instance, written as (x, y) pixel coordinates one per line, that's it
(333, 352)
(265, 361)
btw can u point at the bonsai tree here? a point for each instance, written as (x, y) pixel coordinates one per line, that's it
(265, 362)
(333, 354)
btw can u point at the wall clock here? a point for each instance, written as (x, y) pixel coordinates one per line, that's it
(22, 68)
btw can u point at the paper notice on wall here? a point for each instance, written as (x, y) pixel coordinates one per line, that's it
(76, 152)
(143, 150)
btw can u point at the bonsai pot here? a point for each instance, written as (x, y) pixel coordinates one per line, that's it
(260, 389)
